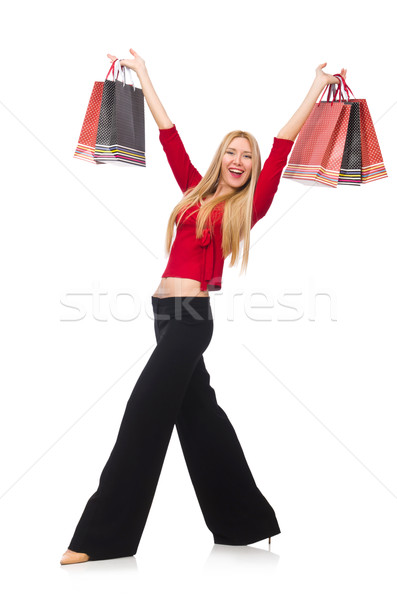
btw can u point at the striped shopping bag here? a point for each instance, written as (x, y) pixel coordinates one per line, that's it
(362, 159)
(363, 141)
(121, 127)
(318, 152)
(373, 167)
(351, 167)
(86, 144)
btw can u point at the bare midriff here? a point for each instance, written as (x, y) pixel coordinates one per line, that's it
(179, 286)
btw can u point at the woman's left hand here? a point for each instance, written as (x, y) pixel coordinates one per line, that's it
(325, 77)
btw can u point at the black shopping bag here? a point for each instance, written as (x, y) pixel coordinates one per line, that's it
(350, 170)
(121, 126)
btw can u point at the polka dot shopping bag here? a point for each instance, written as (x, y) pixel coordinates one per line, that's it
(373, 167)
(121, 126)
(87, 140)
(362, 159)
(337, 144)
(114, 126)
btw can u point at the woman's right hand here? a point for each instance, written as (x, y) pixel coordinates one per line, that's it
(136, 64)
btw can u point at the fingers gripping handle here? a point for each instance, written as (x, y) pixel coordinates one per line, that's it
(346, 89)
(116, 69)
(334, 89)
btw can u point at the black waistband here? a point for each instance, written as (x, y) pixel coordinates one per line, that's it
(196, 307)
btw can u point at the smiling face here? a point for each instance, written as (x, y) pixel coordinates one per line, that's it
(236, 164)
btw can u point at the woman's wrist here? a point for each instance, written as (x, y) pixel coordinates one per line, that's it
(320, 82)
(141, 71)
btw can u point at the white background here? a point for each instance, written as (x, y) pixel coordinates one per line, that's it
(311, 391)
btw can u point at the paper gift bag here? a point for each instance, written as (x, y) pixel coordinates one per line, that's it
(318, 152)
(362, 159)
(86, 144)
(350, 171)
(121, 127)
(373, 167)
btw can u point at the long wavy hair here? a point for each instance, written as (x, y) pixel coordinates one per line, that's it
(237, 214)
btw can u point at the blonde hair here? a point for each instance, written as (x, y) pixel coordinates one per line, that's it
(237, 216)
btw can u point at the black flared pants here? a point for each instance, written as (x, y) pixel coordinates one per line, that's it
(174, 389)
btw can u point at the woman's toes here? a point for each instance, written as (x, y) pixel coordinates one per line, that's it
(71, 557)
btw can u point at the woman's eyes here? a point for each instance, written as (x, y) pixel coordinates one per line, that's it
(231, 152)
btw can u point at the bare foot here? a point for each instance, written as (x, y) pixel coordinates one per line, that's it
(70, 557)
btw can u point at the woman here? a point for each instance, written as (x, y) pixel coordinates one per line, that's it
(215, 214)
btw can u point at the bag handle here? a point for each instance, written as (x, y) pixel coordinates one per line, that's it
(337, 89)
(125, 69)
(346, 88)
(116, 68)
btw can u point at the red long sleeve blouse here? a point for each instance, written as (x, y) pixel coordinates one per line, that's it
(202, 259)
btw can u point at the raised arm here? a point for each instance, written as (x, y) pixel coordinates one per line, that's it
(270, 175)
(137, 64)
(296, 122)
(185, 173)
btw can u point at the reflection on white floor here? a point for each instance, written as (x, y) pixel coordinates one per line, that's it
(224, 558)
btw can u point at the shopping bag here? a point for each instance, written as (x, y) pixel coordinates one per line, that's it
(373, 167)
(362, 159)
(318, 151)
(350, 171)
(121, 126)
(86, 144)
